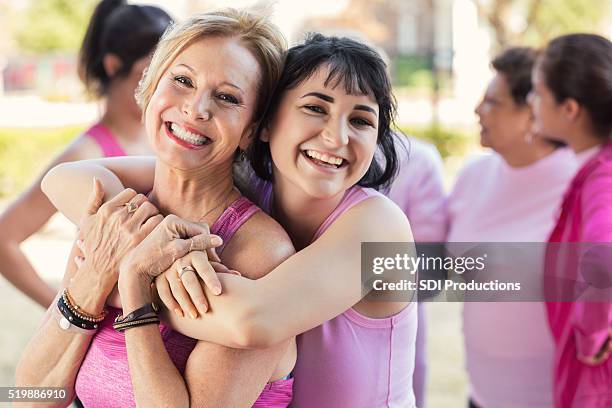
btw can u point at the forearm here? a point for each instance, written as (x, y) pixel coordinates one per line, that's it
(155, 378)
(53, 357)
(72, 201)
(16, 268)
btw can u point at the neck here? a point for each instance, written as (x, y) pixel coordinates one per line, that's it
(119, 118)
(525, 154)
(300, 214)
(200, 195)
(584, 140)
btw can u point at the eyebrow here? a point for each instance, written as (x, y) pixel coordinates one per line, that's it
(222, 83)
(329, 99)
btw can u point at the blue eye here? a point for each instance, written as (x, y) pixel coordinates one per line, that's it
(228, 98)
(183, 80)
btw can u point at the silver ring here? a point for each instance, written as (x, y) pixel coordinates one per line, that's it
(185, 269)
(131, 207)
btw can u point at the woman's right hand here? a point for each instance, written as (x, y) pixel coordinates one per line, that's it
(108, 232)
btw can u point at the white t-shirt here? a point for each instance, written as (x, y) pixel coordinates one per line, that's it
(509, 349)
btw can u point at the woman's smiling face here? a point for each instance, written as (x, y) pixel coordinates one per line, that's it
(203, 105)
(322, 140)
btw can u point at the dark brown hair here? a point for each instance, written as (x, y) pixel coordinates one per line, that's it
(360, 70)
(128, 31)
(579, 66)
(516, 64)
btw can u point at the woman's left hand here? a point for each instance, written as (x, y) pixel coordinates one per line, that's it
(180, 289)
(172, 239)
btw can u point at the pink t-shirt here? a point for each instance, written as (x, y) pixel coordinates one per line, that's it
(353, 360)
(508, 346)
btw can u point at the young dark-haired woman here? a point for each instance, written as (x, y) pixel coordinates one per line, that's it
(572, 101)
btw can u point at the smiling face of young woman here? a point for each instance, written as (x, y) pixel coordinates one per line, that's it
(322, 140)
(202, 108)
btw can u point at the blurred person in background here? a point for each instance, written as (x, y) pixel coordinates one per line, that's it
(418, 190)
(572, 101)
(115, 51)
(509, 195)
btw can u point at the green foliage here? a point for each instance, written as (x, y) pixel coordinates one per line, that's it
(562, 17)
(53, 25)
(448, 142)
(24, 153)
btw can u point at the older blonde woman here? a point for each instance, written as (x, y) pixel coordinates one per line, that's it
(208, 84)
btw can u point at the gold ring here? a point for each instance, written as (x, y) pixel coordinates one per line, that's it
(131, 207)
(185, 269)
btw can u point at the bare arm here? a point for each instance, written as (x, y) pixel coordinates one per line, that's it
(311, 287)
(53, 356)
(69, 184)
(23, 218)
(216, 376)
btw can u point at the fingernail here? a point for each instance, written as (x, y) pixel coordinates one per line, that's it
(193, 314)
(215, 240)
(216, 289)
(203, 308)
(178, 312)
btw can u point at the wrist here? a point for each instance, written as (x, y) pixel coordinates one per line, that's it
(134, 291)
(90, 295)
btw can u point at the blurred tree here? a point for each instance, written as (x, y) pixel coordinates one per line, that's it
(53, 25)
(534, 22)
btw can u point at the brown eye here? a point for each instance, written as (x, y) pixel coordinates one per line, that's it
(315, 108)
(183, 80)
(228, 98)
(362, 122)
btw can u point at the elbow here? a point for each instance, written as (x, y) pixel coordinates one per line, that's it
(253, 331)
(49, 181)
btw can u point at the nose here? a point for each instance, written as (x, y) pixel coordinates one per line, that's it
(198, 107)
(478, 108)
(530, 97)
(336, 134)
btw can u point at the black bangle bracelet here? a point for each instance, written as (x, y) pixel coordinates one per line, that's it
(149, 308)
(122, 326)
(74, 318)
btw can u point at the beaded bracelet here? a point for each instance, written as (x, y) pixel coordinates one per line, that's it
(78, 312)
(72, 318)
(73, 305)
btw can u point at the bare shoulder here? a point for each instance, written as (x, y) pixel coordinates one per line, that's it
(377, 218)
(81, 148)
(260, 245)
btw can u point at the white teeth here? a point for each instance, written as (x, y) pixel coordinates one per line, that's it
(336, 161)
(187, 136)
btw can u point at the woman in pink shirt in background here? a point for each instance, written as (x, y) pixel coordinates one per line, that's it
(113, 54)
(418, 190)
(572, 101)
(509, 196)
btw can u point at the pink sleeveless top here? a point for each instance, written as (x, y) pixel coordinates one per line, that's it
(104, 379)
(353, 360)
(106, 140)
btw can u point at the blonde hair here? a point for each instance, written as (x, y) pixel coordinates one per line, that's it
(259, 36)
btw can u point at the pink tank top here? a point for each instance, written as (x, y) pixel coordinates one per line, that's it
(104, 379)
(353, 360)
(106, 140)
